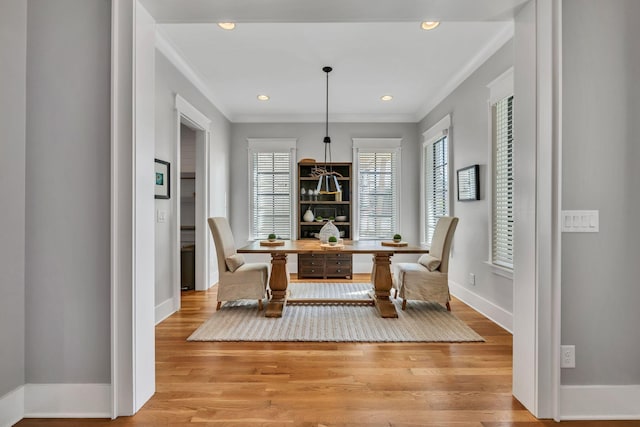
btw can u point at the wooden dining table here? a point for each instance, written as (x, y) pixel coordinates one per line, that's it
(380, 276)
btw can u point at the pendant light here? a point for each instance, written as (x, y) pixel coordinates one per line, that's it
(325, 173)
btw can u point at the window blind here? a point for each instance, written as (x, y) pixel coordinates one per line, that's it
(502, 239)
(377, 194)
(271, 195)
(436, 167)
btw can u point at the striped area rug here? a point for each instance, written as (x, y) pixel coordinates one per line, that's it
(421, 322)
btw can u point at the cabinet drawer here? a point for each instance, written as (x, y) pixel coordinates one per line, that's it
(305, 271)
(339, 256)
(338, 271)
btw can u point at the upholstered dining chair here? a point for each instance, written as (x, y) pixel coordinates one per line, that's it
(238, 279)
(428, 279)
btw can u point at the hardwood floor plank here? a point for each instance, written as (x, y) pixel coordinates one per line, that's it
(328, 384)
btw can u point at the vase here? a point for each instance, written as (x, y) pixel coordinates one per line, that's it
(308, 216)
(328, 230)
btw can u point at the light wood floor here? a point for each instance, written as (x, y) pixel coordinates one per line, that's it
(328, 384)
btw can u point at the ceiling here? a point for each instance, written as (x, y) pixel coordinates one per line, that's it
(375, 48)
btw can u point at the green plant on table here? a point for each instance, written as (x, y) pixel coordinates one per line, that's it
(397, 237)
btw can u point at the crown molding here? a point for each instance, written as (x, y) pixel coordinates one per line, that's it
(164, 46)
(474, 63)
(320, 118)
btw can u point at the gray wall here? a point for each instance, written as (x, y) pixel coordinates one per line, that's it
(170, 81)
(67, 192)
(309, 144)
(601, 151)
(470, 144)
(13, 51)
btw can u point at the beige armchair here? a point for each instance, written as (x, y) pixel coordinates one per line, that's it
(428, 279)
(238, 280)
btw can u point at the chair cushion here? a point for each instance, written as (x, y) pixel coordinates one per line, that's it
(234, 262)
(430, 262)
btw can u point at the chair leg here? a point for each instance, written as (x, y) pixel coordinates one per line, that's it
(404, 304)
(218, 306)
(448, 306)
(395, 295)
(259, 305)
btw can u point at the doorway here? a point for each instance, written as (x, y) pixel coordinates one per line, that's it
(187, 208)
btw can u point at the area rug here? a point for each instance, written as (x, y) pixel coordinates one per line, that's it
(420, 322)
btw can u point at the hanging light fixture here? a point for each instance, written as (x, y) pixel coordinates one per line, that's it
(327, 177)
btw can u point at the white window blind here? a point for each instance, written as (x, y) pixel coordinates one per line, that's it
(502, 239)
(436, 184)
(377, 194)
(271, 204)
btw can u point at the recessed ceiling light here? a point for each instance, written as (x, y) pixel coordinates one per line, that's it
(429, 25)
(227, 25)
(263, 97)
(386, 97)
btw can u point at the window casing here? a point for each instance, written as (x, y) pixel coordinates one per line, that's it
(435, 157)
(271, 178)
(377, 198)
(502, 200)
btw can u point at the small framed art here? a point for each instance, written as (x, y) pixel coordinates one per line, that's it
(163, 179)
(469, 183)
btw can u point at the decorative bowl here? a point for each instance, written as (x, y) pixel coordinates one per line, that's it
(341, 218)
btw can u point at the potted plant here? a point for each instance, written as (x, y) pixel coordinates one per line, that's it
(272, 237)
(333, 240)
(397, 238)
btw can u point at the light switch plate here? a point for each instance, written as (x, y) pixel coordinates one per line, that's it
(580, 221)
(161, 216)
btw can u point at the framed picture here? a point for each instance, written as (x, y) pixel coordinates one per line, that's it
(163, 179)
(469, 183)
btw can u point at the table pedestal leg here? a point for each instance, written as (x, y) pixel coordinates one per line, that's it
(278, 283)
(381, 277)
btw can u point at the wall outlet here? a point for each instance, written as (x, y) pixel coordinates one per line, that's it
(161, 216)
(568, 356)
(472, 279)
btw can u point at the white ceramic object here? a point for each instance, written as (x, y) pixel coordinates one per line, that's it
(341, 218)
(308, 216)
(328, 230)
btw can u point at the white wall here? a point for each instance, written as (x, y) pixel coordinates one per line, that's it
(601, 152)
(470, 145)
(309, 145)
(13, 51)
(169, 82)
(67, 192)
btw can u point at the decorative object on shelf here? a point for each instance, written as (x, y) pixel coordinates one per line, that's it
(272, 237)
(307, 160)
(397, 238)
(341, 218)
(163, 179)
(308, 216)
(303, 193)
(328, 230)
(326, 174)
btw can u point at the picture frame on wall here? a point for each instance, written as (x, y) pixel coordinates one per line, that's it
(469, 183)
(163, 179)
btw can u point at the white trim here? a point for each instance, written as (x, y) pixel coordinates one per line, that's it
(437, 131)
(499, 270)
(599, 402)
(488, 309)
(12, 407)
(165, 309)
(320, 118)
(192, 113)
(474, 63)
(376, 143)
(164, 46)
(67, 401)
(501, 86)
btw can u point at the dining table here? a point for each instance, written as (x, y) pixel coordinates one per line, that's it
(381, 275)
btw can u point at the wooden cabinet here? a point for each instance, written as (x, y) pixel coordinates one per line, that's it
(336, 206)
(324, 266)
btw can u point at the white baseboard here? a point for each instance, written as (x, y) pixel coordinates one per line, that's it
(600, 402)
(164, 310)
(12, 407)
(485, 307)
(67, 401)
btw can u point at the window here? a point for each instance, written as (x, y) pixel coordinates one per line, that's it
(377, 201)
(435, 177)
(502, 235)
(501, 132)
(271, 187)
